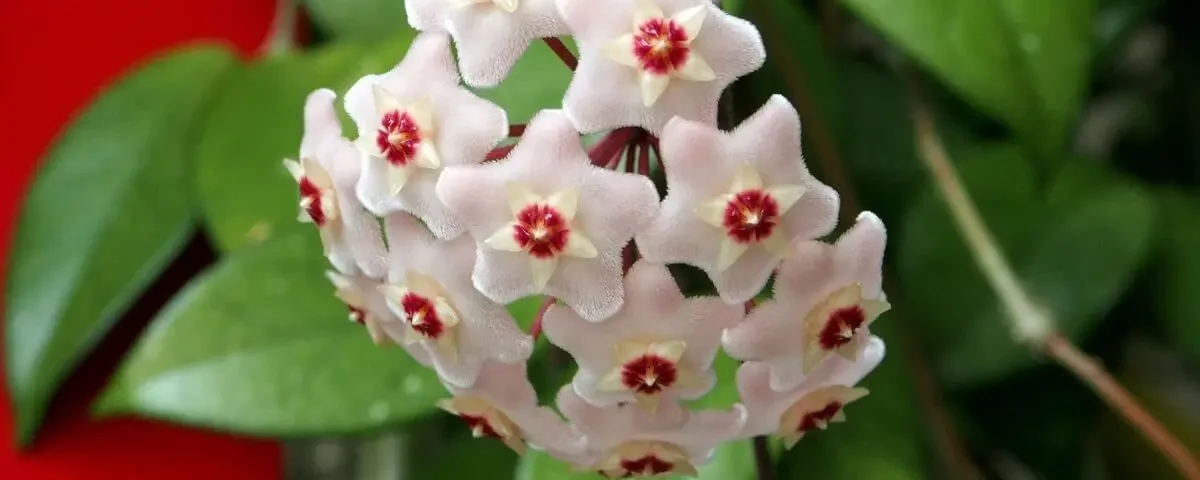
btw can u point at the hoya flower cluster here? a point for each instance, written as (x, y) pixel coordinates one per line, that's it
(432, 228)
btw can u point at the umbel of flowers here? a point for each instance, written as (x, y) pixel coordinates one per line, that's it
(471, 226)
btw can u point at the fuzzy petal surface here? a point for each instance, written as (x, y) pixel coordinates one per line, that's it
(506, 387)
(605, 94)
(611, 207)
(489, 39)
(765, 405)
(464, 127)
(485, 331)
(703, 163)
(654, 311)
(772, 333)
(357, 245)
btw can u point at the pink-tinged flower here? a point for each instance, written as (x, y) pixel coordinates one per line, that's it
(812, 404)
(325, 175)
(642, 62)
(658, 347)
(824, 300)
(413, 121)
(490, 34)
(367, 307)
(547, 221)
(503, 405)
(625, 441)
(736, 200)
(429, 289)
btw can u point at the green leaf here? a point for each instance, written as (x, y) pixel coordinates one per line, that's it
(359, 19)
(465, 458)
(537, 82)
(259, 345)
(725, 393)
(1178, 264)
(1024, 61)
(1075, 250)
(883, 437)
(732, 461)
(245, 193)
(108, 211)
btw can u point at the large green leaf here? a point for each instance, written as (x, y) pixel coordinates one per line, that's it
(246, 195)
(359, 19)
(1178, 263)
(110, 208)
(1024, 61)
(732, 461)
(1075, 248)
(259, 345)
(884, 435)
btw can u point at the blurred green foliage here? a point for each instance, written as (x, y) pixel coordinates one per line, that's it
(1073, 124)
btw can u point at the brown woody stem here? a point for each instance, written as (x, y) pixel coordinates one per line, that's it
(563, 53)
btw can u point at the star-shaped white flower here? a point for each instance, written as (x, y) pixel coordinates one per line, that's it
(490, 34)
(429, 289)
(824, 300)
(736, 200)
(623, 440)
(325, 176)
(503, 405)
(547, 221)
(368, 308)
(414, 120)
(642, 62)
(813, 404)
(659, 347)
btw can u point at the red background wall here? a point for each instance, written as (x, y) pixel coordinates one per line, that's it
(56, 56)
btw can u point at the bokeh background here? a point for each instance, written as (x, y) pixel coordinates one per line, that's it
(1075, 125)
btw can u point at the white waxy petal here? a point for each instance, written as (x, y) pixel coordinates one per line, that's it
(397, 177)
(612, 381)
(506, 5)
(520, 196)
(629, 350)
(579, 246)
(695, 69)
(293, 167)
(542, 269)
(366, 144)
(786, 196)
(747, 178)
(620, 50)
(303, 216)
(411, 336)
(328, 204)
(503, 240)
(730, 252)
(653, 85)
(422, 284)
(566, 202)
(393, 293)
(713, 211)
(465, 3)
(328, 239)
(691, 20)
(645, 10)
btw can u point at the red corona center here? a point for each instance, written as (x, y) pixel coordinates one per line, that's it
(645, 466)
(420, 314)
(398, 137)
(479, 423)
(358, 315)
(842, 325)
(751, 216)
(310, 192)
(813, 420)
(660, 45)
(541, 230)
(648, 374)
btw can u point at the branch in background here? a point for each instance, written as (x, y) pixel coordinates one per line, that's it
(562, 51)
(282, 37)
(763, 465)
(945, 438)
(1030, 323)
